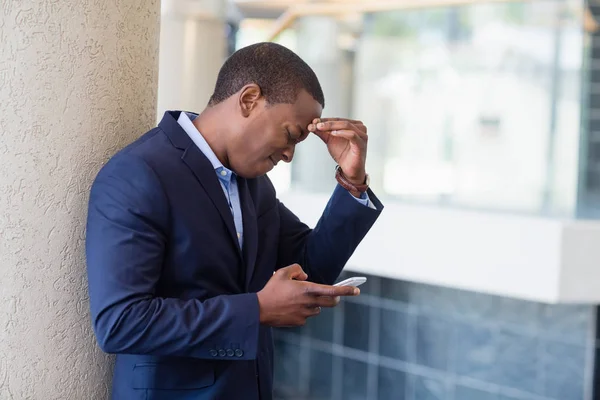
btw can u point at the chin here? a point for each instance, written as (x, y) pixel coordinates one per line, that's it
(259, 170)
(251, 174)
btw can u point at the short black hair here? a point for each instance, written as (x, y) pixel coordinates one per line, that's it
(279, 72)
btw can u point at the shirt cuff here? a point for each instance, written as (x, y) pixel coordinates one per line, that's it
(364, 200)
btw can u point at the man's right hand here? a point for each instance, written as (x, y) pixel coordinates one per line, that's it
(287, 300)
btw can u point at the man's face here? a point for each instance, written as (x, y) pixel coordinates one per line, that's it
(270, 135)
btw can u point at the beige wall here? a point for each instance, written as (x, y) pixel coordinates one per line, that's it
(77, 82)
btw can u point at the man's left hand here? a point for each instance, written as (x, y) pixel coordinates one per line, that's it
(346, 141)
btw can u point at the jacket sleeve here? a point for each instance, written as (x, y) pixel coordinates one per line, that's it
(324, 251)
(126, 242)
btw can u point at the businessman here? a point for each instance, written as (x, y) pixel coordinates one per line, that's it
(191, 257)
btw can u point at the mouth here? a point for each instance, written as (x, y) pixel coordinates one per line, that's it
(273, 161)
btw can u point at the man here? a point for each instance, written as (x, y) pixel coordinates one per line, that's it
(191, 257)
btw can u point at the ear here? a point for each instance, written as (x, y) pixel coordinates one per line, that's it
(249, 98)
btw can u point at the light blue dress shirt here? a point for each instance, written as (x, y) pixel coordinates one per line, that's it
(227, 178)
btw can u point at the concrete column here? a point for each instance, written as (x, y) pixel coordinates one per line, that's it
(317, 37)
(193, 46)
(77, 82)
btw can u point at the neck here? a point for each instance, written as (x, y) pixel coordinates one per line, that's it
(214, 131)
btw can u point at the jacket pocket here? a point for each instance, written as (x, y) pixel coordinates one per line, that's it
(173, 376)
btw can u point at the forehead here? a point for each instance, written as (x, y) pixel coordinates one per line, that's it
(303, 111)
(306, 107)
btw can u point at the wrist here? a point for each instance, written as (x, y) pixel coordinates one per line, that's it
(263, 318)
(357, 186)
(357, 181)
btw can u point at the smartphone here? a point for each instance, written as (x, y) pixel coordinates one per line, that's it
(354, 281)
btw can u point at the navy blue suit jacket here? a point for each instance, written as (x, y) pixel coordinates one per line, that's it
(171, 292)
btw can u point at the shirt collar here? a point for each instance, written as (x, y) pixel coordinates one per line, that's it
(185, 121)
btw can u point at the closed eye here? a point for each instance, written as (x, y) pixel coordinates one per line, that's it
(292, 138)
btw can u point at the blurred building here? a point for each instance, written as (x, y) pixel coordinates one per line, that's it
(482, 279)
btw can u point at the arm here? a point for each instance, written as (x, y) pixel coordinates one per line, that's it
(126, 242)
(324, 251)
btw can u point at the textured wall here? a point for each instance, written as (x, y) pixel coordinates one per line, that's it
(77, 82)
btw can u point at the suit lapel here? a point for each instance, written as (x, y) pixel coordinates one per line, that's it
(250, 229)
(204, 172)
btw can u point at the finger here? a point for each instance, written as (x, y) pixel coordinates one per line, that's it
(354, 121)
(294, 271)
(323, 135)
(327, 301)
(358, 124)
(312, 311)
(338, 126)
(352, 136)
(300, 321)
(324, 132)
(316, 289)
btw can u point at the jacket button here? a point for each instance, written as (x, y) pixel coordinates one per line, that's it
(239, 353)
(230, 353)
(213, 353)
(222, 353)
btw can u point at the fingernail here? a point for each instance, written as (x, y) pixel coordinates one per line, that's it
(320, 125)
(356, 291)
(311, 127)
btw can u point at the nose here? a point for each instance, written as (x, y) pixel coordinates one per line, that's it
(288, 154)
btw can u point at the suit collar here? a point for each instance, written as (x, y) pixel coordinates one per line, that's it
(204, 172)
(202, 169)
(185, 121)
(169, 125)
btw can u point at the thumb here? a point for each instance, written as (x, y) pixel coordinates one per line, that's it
(295, 271)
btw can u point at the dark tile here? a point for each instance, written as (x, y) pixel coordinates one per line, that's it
(431, 389)
(567, 323)
(595, 378)
(517, 361)
(394, 338)
(466, 393)
(391, 384)
(354, 386)
(283, 393)
(523, 314)
(433, 337)
(471, 305)
(287, 368)
(503, 396)
(395, 290)
(563, 370)
(297, 330)
(321, 375)
(356, 326)
(475, 352)
(321, 326)
(441, 301)
(279, 333)
(497, 356)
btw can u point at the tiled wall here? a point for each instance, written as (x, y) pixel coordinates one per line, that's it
(408, 341)
(588, 196)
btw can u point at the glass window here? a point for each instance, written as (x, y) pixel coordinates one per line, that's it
(475, 106)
